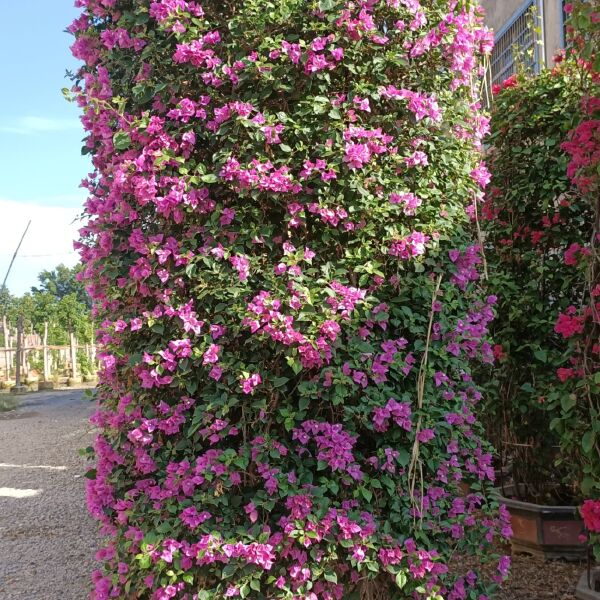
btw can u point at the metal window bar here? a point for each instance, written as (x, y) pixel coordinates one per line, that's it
(564, 37)
(520, 35)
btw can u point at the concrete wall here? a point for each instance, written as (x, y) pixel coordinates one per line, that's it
(499, 12)
(553, 25)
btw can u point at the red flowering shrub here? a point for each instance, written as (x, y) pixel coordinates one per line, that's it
(282, 261)
(583, 147)
(590, 511)
(542, 222)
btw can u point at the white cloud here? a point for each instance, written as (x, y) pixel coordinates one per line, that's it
(31, 125)
(49, 240)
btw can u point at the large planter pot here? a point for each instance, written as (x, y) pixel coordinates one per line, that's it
(589, 588)
(548, 531)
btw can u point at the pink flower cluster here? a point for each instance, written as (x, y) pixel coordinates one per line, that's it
(398, 412)
(318, 60)
(411, 246)
(120, 37)
(161, 10)
(421, 105)
(262, 176)
(334, 445)
(409, 201)
(197, 53)
(357, 154)
(584, 150)
(569, 323)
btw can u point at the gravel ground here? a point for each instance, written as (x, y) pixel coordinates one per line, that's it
(536, 579)
(47, 540)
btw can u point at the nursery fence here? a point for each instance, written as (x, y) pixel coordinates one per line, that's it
(40, 359)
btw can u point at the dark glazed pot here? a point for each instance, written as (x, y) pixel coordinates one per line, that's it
(548, 531)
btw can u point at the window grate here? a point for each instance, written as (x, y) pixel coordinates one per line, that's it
(518, 42)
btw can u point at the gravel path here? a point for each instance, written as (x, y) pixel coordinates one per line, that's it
(536, 579)
(47, 540)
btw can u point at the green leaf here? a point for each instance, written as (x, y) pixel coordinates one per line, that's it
(367, 494)
(121, 140)
(144, 560)
(325, 5)
(331, 576)
(568, 402)
(401, 579)
(209, 178)
(228, 570)
(280, 381)
(255, 585)
(588, 441)
(588, 485)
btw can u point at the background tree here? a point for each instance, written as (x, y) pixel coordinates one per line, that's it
(60, 301)
(62, 281)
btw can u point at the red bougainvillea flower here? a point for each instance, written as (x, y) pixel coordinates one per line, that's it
(510, 82)
(590, 511)
(569, 324)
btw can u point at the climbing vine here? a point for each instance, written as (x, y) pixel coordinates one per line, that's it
(280, 246)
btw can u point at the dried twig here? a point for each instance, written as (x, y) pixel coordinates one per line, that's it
(412, 471)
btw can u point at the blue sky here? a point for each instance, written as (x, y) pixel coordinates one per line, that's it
(41, 165)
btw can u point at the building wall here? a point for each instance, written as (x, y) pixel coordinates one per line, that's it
(500, 12)
(553, 23)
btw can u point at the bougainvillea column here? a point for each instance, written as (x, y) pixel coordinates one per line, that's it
(280, 249)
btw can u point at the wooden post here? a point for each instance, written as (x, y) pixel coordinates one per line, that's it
(73, 356)
(19, 350)
(11, 356)
(47, 373)
(93, 352)
(25, 342)
(6, 346)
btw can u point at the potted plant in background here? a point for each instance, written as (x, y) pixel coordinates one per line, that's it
(537, 226)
